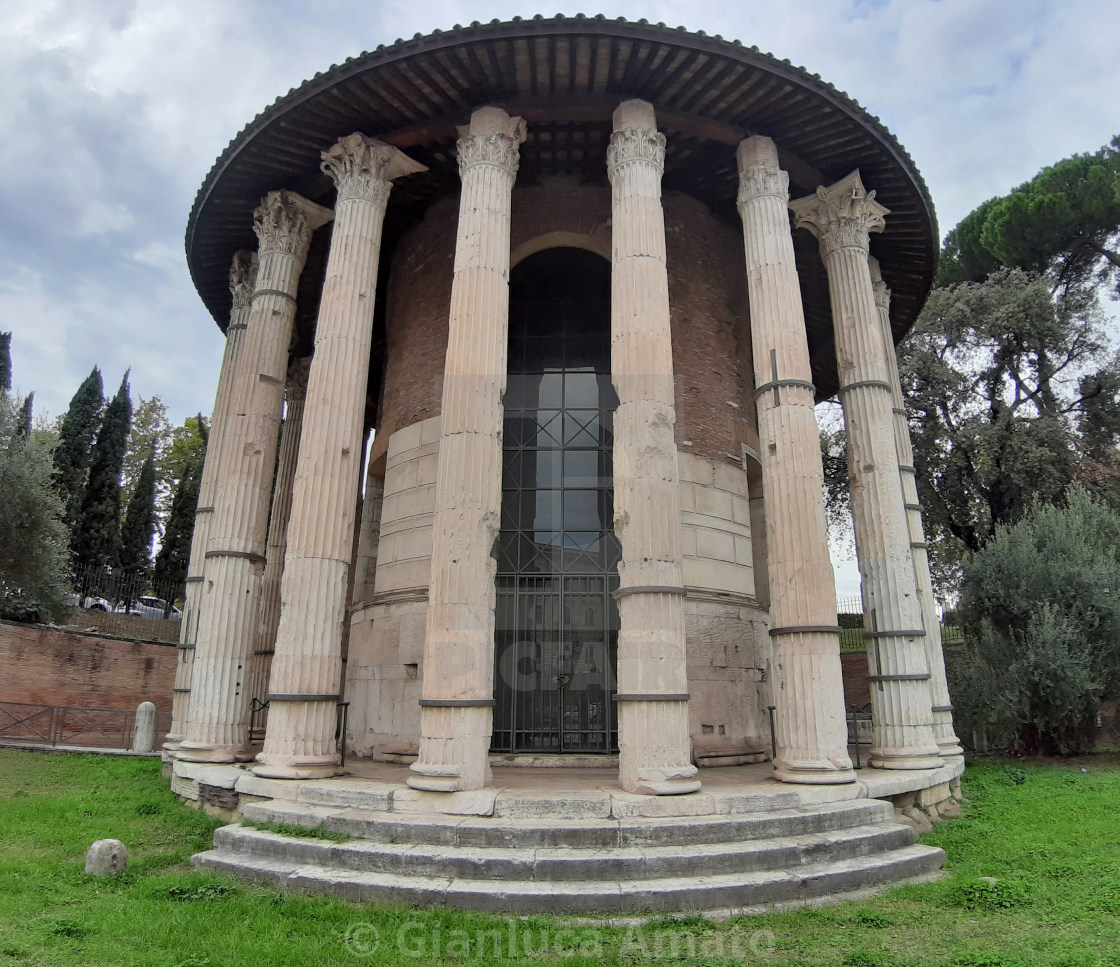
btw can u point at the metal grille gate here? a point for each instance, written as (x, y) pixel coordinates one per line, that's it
(556, 633)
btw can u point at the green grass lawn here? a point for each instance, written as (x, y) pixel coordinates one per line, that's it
(1049, 834)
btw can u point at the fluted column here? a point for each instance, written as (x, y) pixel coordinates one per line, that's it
(268, 617)
(941, 705)
(217, 729)
(812, 733)
(242, 277)
(456, 705)
(306, 668)
(842, 217)
(655, 755)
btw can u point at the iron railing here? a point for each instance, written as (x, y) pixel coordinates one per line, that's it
(69, 725)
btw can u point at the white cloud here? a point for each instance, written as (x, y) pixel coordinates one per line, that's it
(114, 111)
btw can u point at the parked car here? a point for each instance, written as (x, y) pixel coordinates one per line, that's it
(147, 606)
(89, 601)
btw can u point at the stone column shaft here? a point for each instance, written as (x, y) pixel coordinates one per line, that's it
(655, 755)
(218, 723)
(242, 278)
(812, 733)
(305, 681)
(456, 714)
(842, 217)
(268, 617)
(942, 707)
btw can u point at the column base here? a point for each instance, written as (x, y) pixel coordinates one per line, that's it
(218, 754)
(950, 747)
(667, 781)
(813, 773)
(283, 768)
(903, 759)
(454, 749)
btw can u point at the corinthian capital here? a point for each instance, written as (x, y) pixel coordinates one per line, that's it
(242, 278)
(364, 167)
(842, 216)
(284, 222)
(493, 139)
(635, 139)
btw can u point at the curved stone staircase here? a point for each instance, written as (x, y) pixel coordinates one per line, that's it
(541, 864)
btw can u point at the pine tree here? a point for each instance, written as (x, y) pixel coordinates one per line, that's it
(23, 427)
(98, 530)
(5, 362)
(75, 446)
(134, 557)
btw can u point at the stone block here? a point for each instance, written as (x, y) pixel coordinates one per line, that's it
(625, 805)
(553, 804)
(730, 478)
(478, 802)
(934, 795)
(106, 857)
(187, 788)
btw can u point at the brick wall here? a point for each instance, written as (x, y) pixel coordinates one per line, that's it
(707, 293)
(50, 666)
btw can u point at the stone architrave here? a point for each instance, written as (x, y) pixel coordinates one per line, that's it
(268, 620)
(808, 689)
(456, 705)
(942, 707)
(305, 681)
(842, 217)
(217, 729)
(242, 278)
(655, 756)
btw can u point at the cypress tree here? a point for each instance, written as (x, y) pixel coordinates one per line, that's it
(135, 554)
(98, 530)
(175, 549)
(23, 426)
(5, 362)
(75, 445)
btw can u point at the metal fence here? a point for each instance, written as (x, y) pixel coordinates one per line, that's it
(125, 607)
(66, 725)
(850, 619)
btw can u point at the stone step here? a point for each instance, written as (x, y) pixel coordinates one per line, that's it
(748, 890)
(566, 864)
(460, 831)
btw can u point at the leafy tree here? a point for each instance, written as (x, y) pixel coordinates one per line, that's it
(135, 554)
(98, 531)
(76, 434)
(150, 431)
(1041, 609)
(33, 539)
(1012, 394)
(186, 449)
(1064, 223)
(5, 362)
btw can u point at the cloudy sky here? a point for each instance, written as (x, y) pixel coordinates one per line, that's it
(113, 111)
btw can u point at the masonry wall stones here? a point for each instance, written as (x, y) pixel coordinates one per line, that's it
(51, 666)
